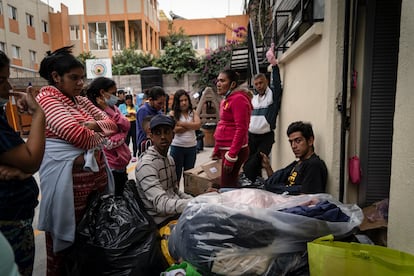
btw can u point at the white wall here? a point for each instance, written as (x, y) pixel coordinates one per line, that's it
(400, 224)
(312, 80)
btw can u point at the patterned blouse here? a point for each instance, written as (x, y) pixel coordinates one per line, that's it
(65, 118)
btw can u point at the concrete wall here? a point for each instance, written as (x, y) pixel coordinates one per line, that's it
(95, 7)
(132, 81)
(400, 224)
(39, 11)
(169, 83)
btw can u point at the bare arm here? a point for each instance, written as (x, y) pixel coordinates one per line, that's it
(178, 128)
(28, 156)
(194, 125)
(9, 173)
(266, 164)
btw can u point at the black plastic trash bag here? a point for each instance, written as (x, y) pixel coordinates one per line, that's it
(117, 237)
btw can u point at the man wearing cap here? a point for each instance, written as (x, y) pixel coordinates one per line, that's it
(155, 174)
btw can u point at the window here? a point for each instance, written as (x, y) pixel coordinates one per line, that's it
(194, 41)
(12, 12)
(29, 19)
(294, 18)
(98, 36)
(44, 26)
(74, 32)
(216, 41)
(32, 57)
(3, 46)
(15, 52)
(198, 41)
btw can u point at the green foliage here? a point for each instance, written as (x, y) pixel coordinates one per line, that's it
(129, 62)
(84, 56)
(212, 64)
(179, 56)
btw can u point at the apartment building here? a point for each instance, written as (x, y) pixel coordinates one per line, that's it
(108, 26)
(30, 28)
(208, 34)
(24, 34)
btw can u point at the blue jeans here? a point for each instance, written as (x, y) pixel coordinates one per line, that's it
(184, 158)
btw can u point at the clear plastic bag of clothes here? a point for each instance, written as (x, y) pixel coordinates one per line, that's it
(116, 237)
(241, 232)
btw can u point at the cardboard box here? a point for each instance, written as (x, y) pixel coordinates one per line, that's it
(199, 179)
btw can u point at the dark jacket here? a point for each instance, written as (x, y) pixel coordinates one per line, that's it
(307, 177)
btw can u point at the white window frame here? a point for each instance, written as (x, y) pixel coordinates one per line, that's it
(12, 12)
(32, 55)
(100, 40)
(74, 32)
(3, 46)
(45, 26)
(16, 52)
(198, 41)
(29, 19)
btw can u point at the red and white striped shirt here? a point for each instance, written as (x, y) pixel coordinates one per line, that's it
(65, 118)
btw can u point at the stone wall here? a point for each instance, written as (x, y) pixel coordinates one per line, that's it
(128, 81)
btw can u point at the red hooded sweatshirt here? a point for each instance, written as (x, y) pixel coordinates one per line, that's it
(232, 129)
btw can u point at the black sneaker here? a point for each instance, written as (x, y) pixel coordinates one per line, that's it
(244, 181)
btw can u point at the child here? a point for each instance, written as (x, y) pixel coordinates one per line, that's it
(146, 143)
(129, 110)
(154, 105)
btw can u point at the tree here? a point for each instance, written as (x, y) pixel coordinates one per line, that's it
(129, 62)
(84, 56)
(179, 56)
(216, 61)
(211, 64)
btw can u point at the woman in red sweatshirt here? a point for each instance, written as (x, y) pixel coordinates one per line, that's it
(231, 135)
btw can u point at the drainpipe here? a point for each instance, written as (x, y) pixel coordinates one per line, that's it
(344, 121)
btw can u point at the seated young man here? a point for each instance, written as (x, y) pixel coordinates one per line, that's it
(156, 177)
(306, 175)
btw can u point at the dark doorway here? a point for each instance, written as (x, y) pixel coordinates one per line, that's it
(380, 78)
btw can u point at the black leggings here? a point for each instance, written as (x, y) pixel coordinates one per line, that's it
(132, 133)
(257, 143)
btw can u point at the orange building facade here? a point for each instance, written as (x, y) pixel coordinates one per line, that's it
(29, 29)
(209, 34)
(24, 25)
(109, 26)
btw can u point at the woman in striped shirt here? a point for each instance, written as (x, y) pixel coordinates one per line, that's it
(74, 165)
